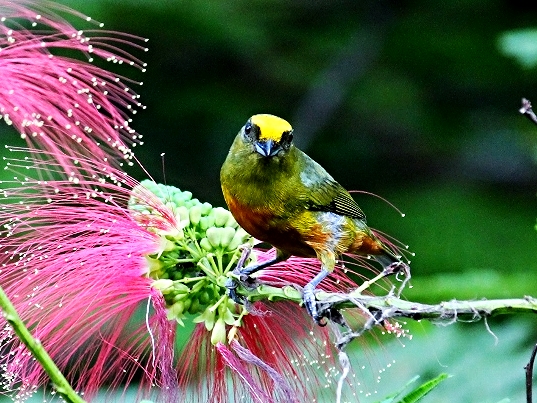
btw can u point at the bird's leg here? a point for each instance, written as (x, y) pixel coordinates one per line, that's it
(308, 295)
(243, 274)
(231, 284)
(246, 250)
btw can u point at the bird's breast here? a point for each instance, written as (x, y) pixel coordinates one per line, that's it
(263, 223)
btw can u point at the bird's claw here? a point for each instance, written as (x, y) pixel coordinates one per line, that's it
(240, 279)
(232, 285)
(311, 305)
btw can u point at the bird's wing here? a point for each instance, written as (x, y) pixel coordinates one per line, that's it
(326, 194)
(332, 197)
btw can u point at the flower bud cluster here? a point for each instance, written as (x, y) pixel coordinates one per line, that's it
(194, 259)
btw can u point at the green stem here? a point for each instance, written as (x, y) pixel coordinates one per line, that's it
(191, 279)
(219, 255)
(217, 304)
(36, 348)
(231, 264)
(176, 261)
(208, 270)
(210, 258)
(394, 307)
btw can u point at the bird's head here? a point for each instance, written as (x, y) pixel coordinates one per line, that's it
(268, 135)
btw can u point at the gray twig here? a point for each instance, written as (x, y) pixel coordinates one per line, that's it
(527, 111)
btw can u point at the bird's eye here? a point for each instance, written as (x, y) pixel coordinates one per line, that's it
(247, 128)
(290, 136)
(287, 138)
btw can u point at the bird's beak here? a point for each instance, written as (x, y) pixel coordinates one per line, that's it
(267, 148)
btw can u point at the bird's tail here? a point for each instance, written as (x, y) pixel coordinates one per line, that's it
(375, 244)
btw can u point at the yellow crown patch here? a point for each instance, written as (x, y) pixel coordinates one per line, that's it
(271, 127)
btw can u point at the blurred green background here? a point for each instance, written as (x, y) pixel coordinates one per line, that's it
(415, 101)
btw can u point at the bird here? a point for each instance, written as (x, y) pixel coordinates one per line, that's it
(281, 196)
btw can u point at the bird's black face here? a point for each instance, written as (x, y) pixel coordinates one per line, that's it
(268, 140)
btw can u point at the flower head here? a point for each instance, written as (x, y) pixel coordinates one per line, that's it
(73, 262)
(58, 103)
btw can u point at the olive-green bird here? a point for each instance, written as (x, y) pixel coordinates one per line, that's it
(281, 196)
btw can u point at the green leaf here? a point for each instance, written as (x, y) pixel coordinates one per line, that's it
(424, 389)
(393, 396)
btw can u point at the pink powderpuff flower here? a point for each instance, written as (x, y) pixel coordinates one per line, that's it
(73, 263)
(53, 100)
(81, 256)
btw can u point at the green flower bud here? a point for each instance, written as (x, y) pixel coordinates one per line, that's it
(227, 234)
(180, 297)
(165, 286)
(240, 237)
(218, 334)
(188, 303)
(176, 310)
(208, 317)
(206, 208)
(183, 214)
(206, 245)
(181, 288)
(195, 214)
(214, 235)
(195, 307)
(204, 297)
(178, 199)
(206, 222)
(231, 222)
(187, 195)
(221, 215)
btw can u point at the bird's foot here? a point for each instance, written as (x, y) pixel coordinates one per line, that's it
(312, 305)
(231, 286)
(232, 283)
(239, 279)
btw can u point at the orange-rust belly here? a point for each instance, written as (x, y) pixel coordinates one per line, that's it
(262, 224)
